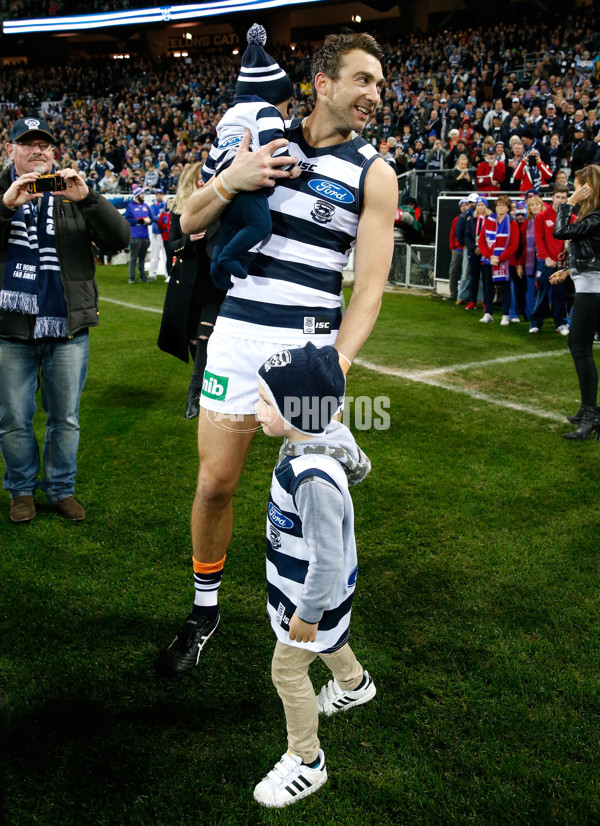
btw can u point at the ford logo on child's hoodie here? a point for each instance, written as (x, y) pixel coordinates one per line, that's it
(278, 519)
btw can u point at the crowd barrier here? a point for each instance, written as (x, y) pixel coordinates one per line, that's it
(413, 266)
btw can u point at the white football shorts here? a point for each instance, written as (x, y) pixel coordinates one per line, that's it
(230, 383)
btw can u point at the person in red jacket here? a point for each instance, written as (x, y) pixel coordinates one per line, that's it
(498, 242)
(550, 251)
(491, 172)
(532, 172)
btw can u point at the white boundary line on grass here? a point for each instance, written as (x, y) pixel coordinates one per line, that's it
(473, 365)
(425, 376)
(131, 306)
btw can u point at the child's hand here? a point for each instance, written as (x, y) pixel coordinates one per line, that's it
(295, 172)
(302, 631)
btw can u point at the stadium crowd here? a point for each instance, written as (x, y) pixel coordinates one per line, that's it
(512, 108)
(466, 92)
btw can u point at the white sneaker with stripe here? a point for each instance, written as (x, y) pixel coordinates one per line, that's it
(332, 698)
(289, 780)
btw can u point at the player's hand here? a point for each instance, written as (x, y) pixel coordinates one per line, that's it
(253, 170)
(302, 631)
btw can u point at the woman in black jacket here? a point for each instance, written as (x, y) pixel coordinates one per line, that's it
(584, 267)
(192, 301)
(460, 179)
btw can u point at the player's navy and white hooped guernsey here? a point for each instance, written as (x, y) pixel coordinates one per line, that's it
(293, 288)
(248, 112)
(288, 554)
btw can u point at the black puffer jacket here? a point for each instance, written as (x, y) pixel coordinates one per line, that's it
(76, 225)
(583, 235)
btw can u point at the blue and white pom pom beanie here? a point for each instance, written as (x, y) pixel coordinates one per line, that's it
(260, 74)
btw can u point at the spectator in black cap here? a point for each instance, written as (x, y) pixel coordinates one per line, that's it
(577, 122)
(47, 304)
(531, 142)
(580, 152)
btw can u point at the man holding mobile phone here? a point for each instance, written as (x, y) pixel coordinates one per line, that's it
(48, 300)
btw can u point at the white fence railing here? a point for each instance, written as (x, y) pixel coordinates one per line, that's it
(413, 266)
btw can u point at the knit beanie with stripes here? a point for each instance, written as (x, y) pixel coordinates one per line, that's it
(260, 74)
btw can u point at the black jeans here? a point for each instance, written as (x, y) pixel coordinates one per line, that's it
(475, 267)
(138, 248)
(585, 322)
(488, 291)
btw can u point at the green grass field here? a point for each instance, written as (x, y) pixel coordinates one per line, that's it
(476, 611)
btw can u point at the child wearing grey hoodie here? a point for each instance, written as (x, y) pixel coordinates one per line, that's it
(311, 557)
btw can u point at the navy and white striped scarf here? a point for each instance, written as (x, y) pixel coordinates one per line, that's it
(31, 284)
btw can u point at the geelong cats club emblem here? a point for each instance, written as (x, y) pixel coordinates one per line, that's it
(323, 212)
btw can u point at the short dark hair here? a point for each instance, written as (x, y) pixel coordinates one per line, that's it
(335, 46)
(560, 188)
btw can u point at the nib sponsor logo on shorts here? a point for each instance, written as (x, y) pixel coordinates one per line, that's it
(214, 387)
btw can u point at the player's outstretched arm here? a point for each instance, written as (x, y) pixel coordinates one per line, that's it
(249, 171)
(373, 257)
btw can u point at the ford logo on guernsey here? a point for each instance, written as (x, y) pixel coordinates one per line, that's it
(278, 519)
(335, 192)
(230, 142)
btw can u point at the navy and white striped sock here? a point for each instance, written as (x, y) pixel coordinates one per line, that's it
(207, 579)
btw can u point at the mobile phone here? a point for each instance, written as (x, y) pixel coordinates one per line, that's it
(48, 183)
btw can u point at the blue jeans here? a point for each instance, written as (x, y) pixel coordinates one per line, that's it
(465, 278)
(556, 293)
(489, 289)
(61, 368)
(530, 296)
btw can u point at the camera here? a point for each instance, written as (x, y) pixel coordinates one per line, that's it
(532, 160)
(48, 183)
